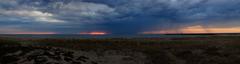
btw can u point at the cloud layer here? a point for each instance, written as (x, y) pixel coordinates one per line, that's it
(116, 16)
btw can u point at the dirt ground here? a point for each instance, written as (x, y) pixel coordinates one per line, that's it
(199, 50)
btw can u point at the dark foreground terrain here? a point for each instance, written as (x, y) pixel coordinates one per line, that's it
(185, 50)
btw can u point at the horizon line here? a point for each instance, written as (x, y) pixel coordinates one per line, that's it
(130, 34)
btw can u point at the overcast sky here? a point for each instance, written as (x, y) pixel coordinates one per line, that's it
(118, 16)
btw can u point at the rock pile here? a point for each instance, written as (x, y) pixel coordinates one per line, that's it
(51, 55)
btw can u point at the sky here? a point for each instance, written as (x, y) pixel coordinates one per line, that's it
(119, 16)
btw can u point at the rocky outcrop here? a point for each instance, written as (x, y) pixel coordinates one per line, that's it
(183, 55)
(52, 55)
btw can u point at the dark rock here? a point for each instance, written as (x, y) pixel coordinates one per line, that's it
(68, 59)
(76, 62)
(82, 58)
(8, 59)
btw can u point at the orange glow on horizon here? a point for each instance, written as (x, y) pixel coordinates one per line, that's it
(197, 29)
(93, 33)
(194, 29)
(201, 29)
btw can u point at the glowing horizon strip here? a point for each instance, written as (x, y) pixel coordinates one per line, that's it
(196, 29)
(93, 33)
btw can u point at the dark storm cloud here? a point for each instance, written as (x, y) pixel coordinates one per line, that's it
(141, 15)
(116, 16)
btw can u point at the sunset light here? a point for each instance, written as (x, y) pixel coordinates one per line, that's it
(201, 29)
(93, 33)
(196, 30)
